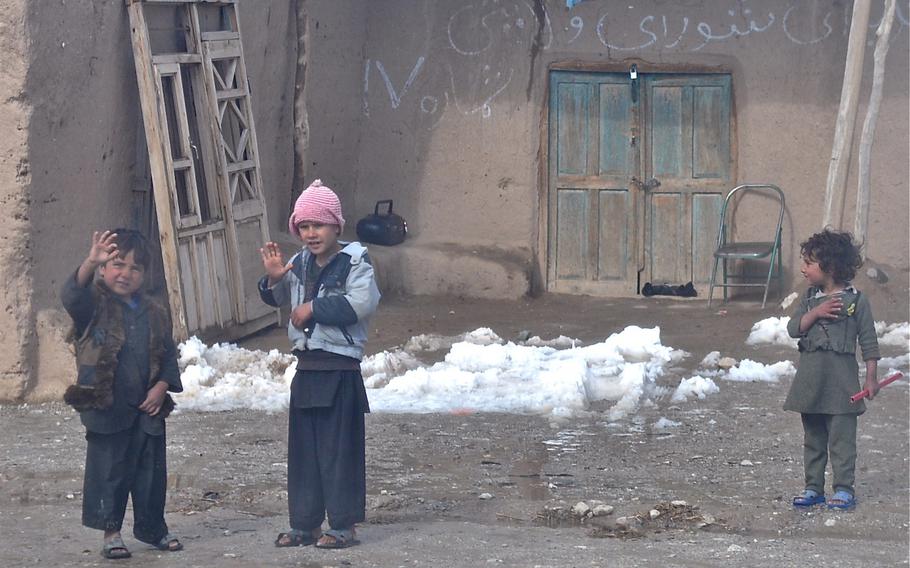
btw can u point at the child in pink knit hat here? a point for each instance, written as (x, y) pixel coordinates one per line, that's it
(331, 290)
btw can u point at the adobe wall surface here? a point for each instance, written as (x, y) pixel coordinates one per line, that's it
(16, 329)
(334, 40)
(454, 93)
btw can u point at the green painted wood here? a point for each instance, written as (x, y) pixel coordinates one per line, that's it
(689, 152)
(711, 131)
(572, 127)
(614, 232)
(616, 150)
(572, 234)
(666, 128)
(666, 238)
(676, 129)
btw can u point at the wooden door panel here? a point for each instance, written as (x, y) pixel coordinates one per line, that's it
(616, 150)
(614, 230)
(205, 168)
(572, 132)
(593, 157)
(710, 136)
(666, 241)
(668, 157)
(688, 151)
(572, 234)
(250, 232)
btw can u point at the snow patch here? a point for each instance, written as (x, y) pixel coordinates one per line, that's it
(752, 371)
(227, 377)
(771, 330)
(696, 386)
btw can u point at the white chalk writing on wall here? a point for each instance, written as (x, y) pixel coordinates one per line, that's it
(481, 30)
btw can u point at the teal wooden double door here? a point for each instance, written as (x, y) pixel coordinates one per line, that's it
(612, 140)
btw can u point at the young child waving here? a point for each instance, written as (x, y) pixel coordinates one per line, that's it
(127, 362)
(829, 321)
(332, 292)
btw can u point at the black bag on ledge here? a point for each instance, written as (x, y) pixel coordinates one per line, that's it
(382, 228)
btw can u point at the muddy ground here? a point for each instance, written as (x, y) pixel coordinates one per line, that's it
(735, 461)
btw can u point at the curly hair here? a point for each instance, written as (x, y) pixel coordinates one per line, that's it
(835, 252)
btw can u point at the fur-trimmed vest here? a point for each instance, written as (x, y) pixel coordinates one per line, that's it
(98, 347)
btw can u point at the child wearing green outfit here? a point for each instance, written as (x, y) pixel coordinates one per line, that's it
(831, 319)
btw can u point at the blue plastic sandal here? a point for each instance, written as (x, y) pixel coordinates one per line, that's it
(842, 501)
(808, 498)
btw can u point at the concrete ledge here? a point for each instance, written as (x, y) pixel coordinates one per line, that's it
(414, 268)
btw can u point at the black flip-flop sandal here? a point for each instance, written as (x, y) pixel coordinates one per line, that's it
(294, 537)
(169, 543)
(114, 549)
(340, 539)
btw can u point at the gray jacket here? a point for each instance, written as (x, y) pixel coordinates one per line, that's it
(346, 298)
(841, 334)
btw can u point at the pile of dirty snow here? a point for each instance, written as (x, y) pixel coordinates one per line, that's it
(227, 377)
(483, 373)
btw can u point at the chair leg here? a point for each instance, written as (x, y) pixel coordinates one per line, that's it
(780, 276)
(724, 261)
(764, 299)
(711, 285)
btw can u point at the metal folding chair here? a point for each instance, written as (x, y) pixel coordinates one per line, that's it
(727, 250)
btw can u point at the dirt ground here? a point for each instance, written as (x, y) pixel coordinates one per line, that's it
(735, 461)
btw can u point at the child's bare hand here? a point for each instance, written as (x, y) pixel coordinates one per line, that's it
(830, 308)
(273, 262)
(154, 399)
(301, 315)
(104, 247)
(872, 387)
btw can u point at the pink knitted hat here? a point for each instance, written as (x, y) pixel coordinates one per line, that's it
(316, 203)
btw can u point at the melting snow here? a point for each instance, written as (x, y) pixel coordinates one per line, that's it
(771, 330)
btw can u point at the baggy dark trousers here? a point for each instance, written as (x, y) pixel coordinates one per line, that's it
(831, 435)
(126, 464)
(327, 462)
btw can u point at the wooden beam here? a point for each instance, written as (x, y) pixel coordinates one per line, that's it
(157, 148)
(861, 221)
(846, 115)
(167, 58)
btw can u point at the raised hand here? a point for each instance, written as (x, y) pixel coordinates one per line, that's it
(104, 247)
(273, 262)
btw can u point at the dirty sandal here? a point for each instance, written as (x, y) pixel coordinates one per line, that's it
(169, 543)
(808, 498)
(114, 549)
(842, 500)
(333, 538)
(294, 537)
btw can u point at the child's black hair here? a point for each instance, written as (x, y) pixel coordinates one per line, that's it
(129, 240)
(835, 252)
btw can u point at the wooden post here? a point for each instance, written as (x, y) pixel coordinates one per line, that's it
(846, 115)
(861, 220)
(145, 75)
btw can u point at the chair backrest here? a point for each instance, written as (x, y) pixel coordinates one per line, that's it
(758, 187)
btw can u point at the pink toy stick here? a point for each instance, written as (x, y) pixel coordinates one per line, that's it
(884, 382)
